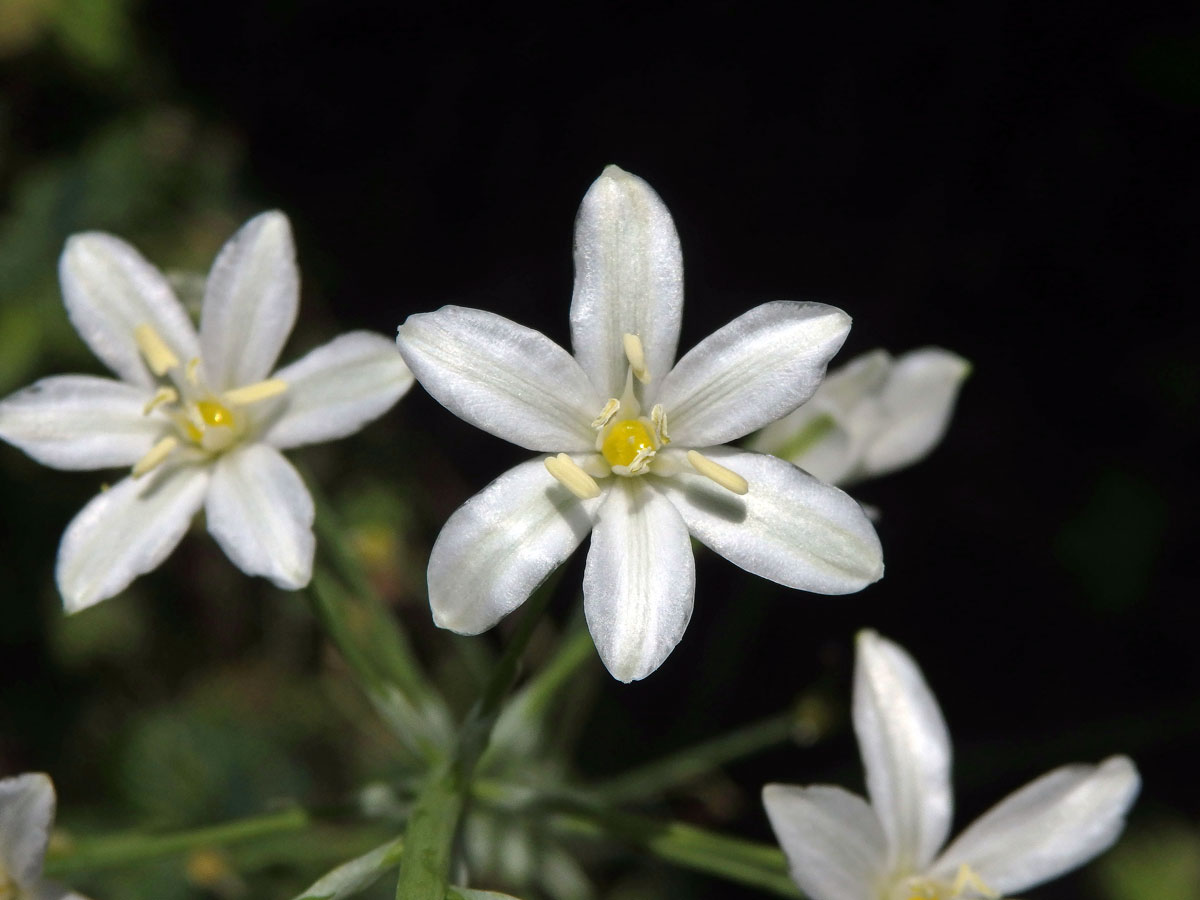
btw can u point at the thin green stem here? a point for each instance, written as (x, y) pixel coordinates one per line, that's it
(745, 862)
(433, 825)
(679, 768)
(135, 847)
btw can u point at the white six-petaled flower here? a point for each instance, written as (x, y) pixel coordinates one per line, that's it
(839, 847)
(871, 416)
(26, 815)
(639, 462)
(198, 416)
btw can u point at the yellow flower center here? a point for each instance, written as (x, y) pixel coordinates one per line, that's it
(625, 440)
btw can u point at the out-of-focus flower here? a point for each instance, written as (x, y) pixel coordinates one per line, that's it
(840, 848)
(639, 459)
(870, 417)
(26, 814)
(199, 417)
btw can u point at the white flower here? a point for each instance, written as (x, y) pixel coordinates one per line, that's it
(872, 416)
(26, 814)
(840, 848)
(638, 459)
(199, 417)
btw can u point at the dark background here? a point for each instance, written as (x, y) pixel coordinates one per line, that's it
(1015, 182)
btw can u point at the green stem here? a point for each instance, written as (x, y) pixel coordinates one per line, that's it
(429, 837)
(745, 862)
(134, 847)
(701, 759)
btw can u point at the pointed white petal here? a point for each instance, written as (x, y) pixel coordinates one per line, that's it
(1050, 826)
(905, 749)
(261, 514)
(754, 370)
(125, 531)
(628, 280)
(789, 527)
(109, 290)
(80, 422)
(507, 379)
(336, 389)
(639, 581)
(833, 843)
(250, 302)
(501, 544)
(916, 403)
(26, 814)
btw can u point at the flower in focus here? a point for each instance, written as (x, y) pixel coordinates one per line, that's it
(840, 848)
(199, 417)
(26, 814)
(638, 458)
(870, 417)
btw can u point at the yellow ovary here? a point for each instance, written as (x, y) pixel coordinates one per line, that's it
(625, 440)
(214, 413)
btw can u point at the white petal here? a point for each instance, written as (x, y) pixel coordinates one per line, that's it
(1050, 826)
(80, 422)
(789, 527)
(834, 845)
(905, 749)
(507, 379)
(917, 401)
(109, 290)
(26, 814)
(639, 580)
(501, 544)
(250, 302)
(628, 280)
(125, 531)
(754, 370)
(261, 514)
(336, 389)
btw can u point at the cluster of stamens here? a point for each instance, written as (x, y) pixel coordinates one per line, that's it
(629, 444)
(203, 420)
(967, 885)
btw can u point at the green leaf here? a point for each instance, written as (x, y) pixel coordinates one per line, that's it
(356, 875)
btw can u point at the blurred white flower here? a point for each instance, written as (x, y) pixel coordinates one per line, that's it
(639, 462)
(840, 848)
(199, 417)
(26, 814)
(872, 416)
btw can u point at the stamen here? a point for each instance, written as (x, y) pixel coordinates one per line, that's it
(252, 393)
(158, 355)
(966, 879)
(714, 471)
(611, 408)
(658, 417)
(572, 477)
(639, 463)
(190, 372)
(161, 396)
(636, 354)
(158, 453)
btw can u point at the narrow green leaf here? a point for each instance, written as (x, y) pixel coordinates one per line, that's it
(356, 875)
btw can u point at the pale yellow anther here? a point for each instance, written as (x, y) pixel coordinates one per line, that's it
(641, 460)
(611, 408)
(714, 471)
(636, 354)
(158, 355)
(658, 417)
(161, 396)
(572, 477)
(190, 372)
(968, 879)
(253, 393)
(158, 453)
